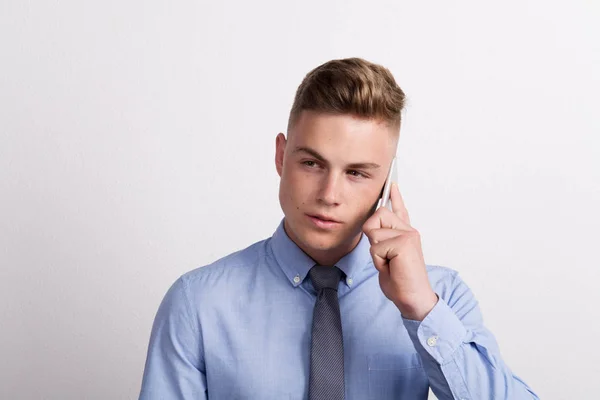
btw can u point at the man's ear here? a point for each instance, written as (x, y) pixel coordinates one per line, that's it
(280, 143)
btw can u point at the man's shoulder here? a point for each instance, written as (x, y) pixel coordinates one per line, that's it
(229, 267)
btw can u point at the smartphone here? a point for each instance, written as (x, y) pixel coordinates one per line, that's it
(385, 200)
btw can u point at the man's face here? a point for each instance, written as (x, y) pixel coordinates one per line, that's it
(336, 166)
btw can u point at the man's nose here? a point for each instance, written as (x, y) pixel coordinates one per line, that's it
(330, 189)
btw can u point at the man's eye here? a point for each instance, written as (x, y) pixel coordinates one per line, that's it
(358, 173)
(352, 172)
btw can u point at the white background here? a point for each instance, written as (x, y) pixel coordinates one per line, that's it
(137, 142)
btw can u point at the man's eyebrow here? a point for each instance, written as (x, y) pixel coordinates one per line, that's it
(315, 154)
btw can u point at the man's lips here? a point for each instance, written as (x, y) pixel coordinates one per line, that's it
(323, 217)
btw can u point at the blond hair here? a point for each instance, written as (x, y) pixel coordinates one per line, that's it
(350, 86)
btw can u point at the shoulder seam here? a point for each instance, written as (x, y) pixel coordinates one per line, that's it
(188, 303)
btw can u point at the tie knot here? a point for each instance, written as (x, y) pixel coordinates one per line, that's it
(325, 277)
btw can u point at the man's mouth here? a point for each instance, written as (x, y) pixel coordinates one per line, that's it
(323, 217)
(323, 222)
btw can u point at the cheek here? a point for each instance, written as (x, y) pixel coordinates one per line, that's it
(292, 194)
(297, 184)
(367, 203)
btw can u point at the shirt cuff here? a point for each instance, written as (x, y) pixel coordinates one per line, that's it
(440, 333)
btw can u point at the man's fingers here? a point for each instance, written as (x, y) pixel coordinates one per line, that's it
(384, 218)
(379, 235)
(398, 204)
(385, 250)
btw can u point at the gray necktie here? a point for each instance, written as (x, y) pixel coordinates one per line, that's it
(326, 380)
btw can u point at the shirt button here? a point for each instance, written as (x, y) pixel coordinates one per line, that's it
(297, 279)
(432, 341)
(349, 281)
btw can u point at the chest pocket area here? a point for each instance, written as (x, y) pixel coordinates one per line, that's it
(397, 376)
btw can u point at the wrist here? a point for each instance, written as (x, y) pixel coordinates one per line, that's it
(418, 310)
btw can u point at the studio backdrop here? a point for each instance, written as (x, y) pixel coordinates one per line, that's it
(137, 142)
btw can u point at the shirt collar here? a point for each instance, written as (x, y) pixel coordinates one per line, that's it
(295, 263)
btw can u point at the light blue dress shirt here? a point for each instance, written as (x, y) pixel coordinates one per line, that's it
(240, 328)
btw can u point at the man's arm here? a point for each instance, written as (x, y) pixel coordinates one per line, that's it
(461, 356)
(174, 365)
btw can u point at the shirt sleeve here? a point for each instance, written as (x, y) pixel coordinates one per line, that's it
(460, 355)
(174, 366)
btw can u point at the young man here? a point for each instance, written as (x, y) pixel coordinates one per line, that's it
(338, 303)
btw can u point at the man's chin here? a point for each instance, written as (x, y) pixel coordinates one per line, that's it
(321, 241)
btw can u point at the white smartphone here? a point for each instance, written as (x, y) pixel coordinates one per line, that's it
(385, 200)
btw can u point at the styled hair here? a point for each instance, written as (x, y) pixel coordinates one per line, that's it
(350, 86)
